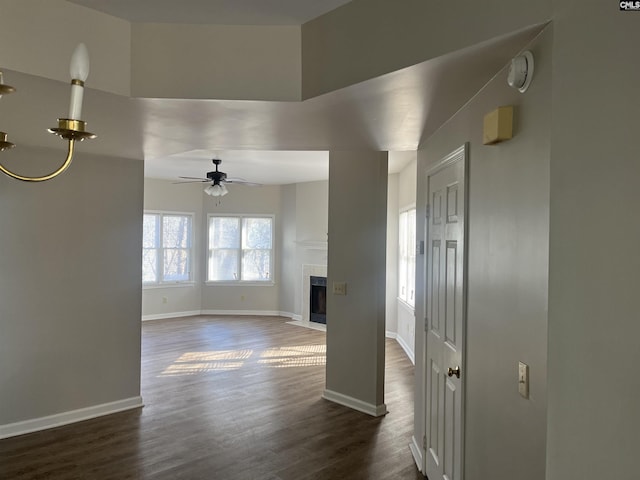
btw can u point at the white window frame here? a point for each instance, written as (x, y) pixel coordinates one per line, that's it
(239, 281)
(160, 283)
(407, 255)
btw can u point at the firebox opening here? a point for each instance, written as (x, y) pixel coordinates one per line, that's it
(318, 300)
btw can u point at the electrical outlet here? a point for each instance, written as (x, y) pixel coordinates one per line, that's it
(523, 379)
(339, 288)
(165, 300)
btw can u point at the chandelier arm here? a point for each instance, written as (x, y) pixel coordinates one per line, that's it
(54, 174)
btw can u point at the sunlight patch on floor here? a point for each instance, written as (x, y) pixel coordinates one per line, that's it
(194, 363)
(297, 356)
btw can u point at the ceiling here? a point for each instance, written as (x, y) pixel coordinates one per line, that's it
(215, 12)
(261, 141)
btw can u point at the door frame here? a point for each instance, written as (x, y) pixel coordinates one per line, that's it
(459, 154)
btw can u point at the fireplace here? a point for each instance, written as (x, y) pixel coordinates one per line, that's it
(318, 299)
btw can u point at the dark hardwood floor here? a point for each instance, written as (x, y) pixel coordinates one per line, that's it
(229, 398)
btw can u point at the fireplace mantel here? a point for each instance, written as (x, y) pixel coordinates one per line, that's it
(312, 245)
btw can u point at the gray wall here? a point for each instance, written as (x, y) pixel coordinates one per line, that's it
(245, 62)
(357, 251)
(312, 213)
(245, 200)
(391, 302)
(161, 195)
(367, 38)
(300, 211)
(407, 182)
(303, 217)
(594, 323)
(290, 289)
(25, 23)
(70, 285)
(507, 275)
(164, 195)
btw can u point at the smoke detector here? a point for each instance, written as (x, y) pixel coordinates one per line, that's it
(521, 72)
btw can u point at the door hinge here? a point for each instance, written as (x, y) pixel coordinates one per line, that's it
(426, 324)
(428, 211)
(424, 443)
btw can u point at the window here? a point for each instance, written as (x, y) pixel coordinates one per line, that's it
(407, 260)
(166, 248)
(240, 249)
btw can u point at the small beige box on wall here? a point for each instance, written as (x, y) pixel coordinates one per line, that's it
(498, 125)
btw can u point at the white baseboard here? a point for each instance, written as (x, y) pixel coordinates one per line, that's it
(416, 451)
(391, 335)
(65, 418)
(162, 316)
(359, 405)
(266, 313)
(407, 349)
(312, 325)
(252, 313)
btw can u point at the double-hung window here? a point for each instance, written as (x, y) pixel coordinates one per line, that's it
(240, 249)
(167, 248)
(407, 254)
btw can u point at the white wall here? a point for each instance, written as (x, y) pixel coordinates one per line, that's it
(162, 195)
(505, 434)
(70, 288)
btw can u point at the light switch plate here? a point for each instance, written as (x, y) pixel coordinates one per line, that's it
(523, 379)
(339, 288)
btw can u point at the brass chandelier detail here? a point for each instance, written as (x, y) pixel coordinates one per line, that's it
(71, 129)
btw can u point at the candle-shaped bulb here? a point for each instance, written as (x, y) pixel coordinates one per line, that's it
(79, 70)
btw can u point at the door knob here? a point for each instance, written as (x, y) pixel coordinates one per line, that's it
(454, 371)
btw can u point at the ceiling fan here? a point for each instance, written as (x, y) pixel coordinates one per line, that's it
(218, 181)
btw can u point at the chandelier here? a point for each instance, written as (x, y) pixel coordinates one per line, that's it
(71, 129)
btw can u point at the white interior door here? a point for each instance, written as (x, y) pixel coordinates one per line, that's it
(445, 321)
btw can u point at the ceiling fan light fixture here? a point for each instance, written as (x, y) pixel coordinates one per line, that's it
(216, 190)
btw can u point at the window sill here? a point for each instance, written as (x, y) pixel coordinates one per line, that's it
(240, 284)
(152, 286)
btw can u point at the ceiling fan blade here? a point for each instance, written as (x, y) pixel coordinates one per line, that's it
(241, 182)
(236, 179)
(196, 178)
(191, 181)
